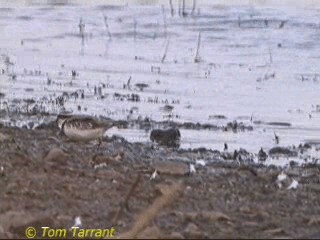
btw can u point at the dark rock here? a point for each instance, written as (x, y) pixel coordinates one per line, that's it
(306, 145)
(217, 117)
(282, 124)
(169, 137)
(141, 86)
(282, 151)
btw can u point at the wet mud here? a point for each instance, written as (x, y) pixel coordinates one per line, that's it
(47, 179)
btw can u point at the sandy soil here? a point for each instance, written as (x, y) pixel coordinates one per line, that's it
(47, 180)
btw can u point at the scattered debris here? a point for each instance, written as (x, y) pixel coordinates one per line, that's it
(294, 184)
(148, 215)
(192, 168)
(154, 175)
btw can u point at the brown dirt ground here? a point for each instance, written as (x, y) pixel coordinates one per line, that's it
(41, 189)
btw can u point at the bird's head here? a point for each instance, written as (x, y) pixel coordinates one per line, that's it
(61, 119)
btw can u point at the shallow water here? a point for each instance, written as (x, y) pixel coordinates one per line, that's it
(258, 70)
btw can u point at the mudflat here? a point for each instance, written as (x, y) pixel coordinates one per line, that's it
(146, 191)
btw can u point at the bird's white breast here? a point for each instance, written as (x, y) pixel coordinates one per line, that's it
(83, 134)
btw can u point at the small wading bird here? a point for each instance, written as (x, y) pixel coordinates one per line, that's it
(82, 128)
(276, 138)
(262, 156)
(225, 147)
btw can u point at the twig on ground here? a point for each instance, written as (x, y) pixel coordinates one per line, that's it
(282, 24)
(149, 214)
(197, 56)
(165, 51)
(125, 203)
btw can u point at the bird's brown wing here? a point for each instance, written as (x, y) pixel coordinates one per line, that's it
(81, 123)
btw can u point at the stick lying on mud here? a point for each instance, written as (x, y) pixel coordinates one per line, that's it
(165, 51)
(146, 217)
(124, 204)
(197, 57)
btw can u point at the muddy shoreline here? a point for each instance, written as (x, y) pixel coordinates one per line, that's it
(46, 179)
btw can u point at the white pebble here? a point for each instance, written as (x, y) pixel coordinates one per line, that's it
(154, 175)
(294, 184)
(192, 168)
